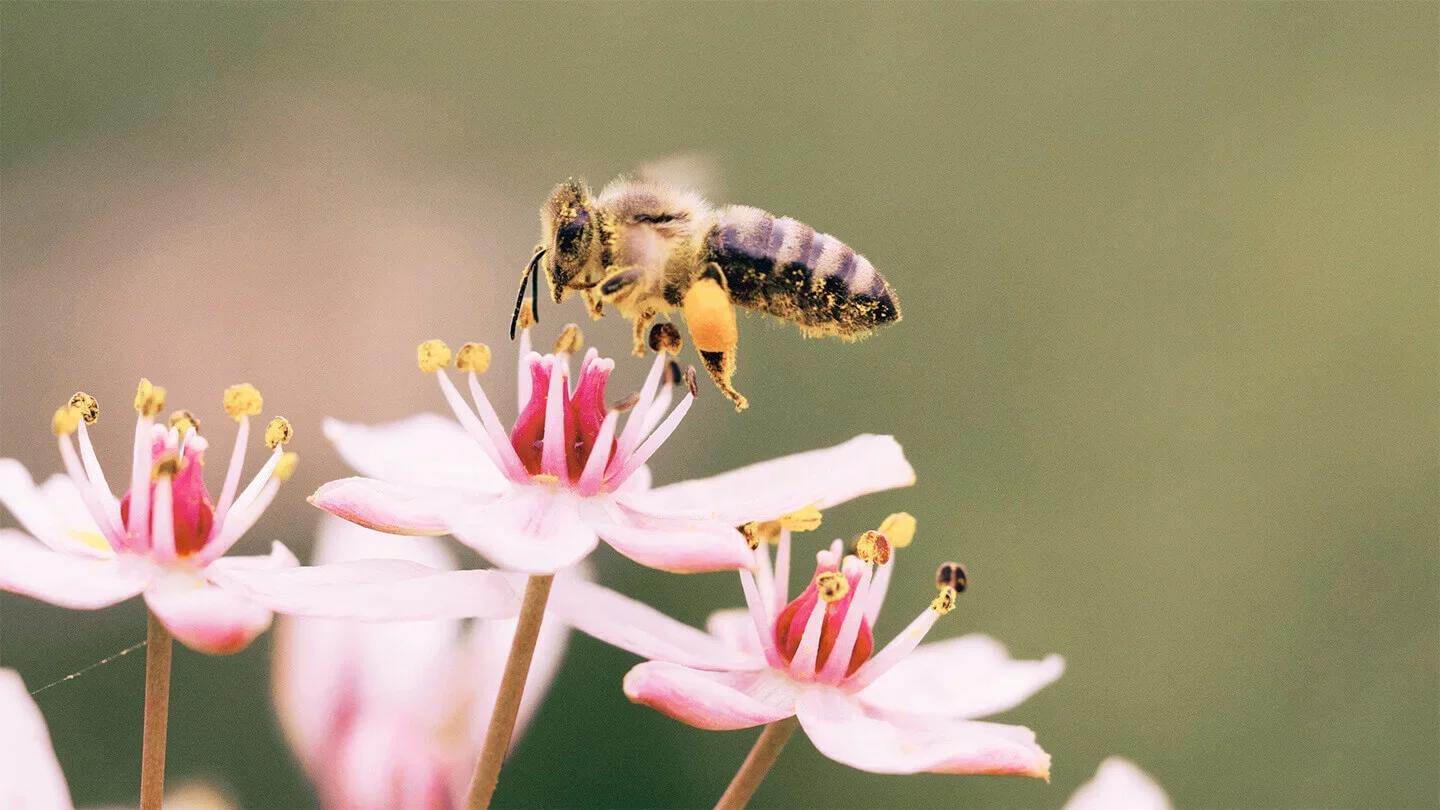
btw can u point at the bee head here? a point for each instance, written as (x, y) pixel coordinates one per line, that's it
(571, 234)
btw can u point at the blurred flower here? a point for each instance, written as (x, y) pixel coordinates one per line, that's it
(906, 709)
(165, 538)
(1119, 784)
(394, 715)
(540, 497)
(30, 775)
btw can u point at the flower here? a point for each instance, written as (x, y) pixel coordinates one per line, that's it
(30, 775)
(165, 538)
(394, 715)
(1119, 784)
(539, 497)
(906, 709)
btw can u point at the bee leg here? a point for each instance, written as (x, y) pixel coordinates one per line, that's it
(642, 331)
(593, 303)
(710, 317)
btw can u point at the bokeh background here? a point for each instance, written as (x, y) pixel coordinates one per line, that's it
(1168, 368)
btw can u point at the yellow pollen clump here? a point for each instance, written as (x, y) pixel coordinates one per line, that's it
(432, 355)
(873, 547)
(88, 407)
(710, 316)
(526, 318)
(832, 586)
(945, 602)
(571, 340)
(285, 467)
(183, 420)
(664, 337)
(758, 532)
(278, 432)
(806, 519)
(243, 400)
(899, 529)
(750, 531)
(66, 420)
(168, 464)
(149, 398)
(545, 478)
(473, 357)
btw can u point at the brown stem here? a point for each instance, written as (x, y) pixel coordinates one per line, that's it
(512, 688)
(757, 764)
(157, 713)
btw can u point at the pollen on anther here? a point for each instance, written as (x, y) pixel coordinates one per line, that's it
(168, 464)
(278, 432)
(899, 529)
(432, 355)
(664, 337)
(952, 575)
(804, 519)
(873, 547)
(526, 319)
(751, 532)
(66, 420)
(149, 398)
(88, 407)
(183, 421)
(944, 602)
(242, 400)
(473, 357)
(832, 586)
(571, 340)
(285, 467)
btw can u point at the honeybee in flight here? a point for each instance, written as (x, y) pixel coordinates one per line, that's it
(648, 249)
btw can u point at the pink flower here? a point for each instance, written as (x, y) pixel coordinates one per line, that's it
(906, 709)
(1119, 784)
(540, 496)
(30, 775)
(394, 715)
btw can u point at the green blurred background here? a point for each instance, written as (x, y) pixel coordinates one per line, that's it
(1168, 368)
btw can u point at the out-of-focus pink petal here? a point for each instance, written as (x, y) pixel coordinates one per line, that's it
(30, 775)
(736, 627)
(631, 625)
(203, 616)
(534, 530)
(374, 590)
(53, 513)
(385, 507)
(968, 677)
(426, 451)
(79, 583)
(716, 701)
(679, 549)
(1119, 784)
(769, 489)
(845, 730)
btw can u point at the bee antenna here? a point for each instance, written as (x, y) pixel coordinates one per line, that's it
(532, 276)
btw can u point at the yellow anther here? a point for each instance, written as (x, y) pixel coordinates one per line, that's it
(168, 464)
(832, 586)
(527, 317)
(66, 420)
(243, 400)
(432, 355)
(87, 405)
(664, 337)
(149, 398)
(278, 432)
(183, 420)
(945, 602)
(285, 467)
(473, 357)
(952, 575)
(873, 547)
(571, 340)
(757, 533)
(750, 531)
(899, 529)
(806, 519)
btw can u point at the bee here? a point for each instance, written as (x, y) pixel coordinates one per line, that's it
(648, 249)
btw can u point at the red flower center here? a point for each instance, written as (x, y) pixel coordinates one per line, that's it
(584, 411)
(790, 625)
(192, 511)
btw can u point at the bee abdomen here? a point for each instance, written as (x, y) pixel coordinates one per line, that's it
(786, 268)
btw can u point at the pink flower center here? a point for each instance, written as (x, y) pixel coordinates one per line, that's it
(193, 513)
(790, 624)
(584, 411)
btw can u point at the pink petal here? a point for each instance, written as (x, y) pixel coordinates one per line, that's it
(736, 628)
(1119, 784)
(967, 677)
(843, 729)
(767, 490)
(54, 513)
(634, 626)
(716, 701)
(30, 775)
(384, 507)
(679, 549)
(75, 582)
(533, 529)
(427, 451)
(203, 616)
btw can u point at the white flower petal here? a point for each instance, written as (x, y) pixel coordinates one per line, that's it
(80, 583)
(967, 677)
(1119, 784)
(426, 451)
(30, 775)
(533, 529)
(53, 513)
(203, 616)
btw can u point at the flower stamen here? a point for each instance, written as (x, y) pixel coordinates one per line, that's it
(804, 519)
(831, 586)
(239, 400)
(149, 398)
(184, 421)
(473, 357)
(278, 432)
(285, 467)
(664, 337)
(65, 420)
(432, 355)
(873, 547)
(570, 341)
(899, 529)
(87, 405)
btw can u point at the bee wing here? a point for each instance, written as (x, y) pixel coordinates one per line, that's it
(687, 171)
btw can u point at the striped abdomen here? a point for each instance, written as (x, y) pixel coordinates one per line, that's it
(784, 267)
